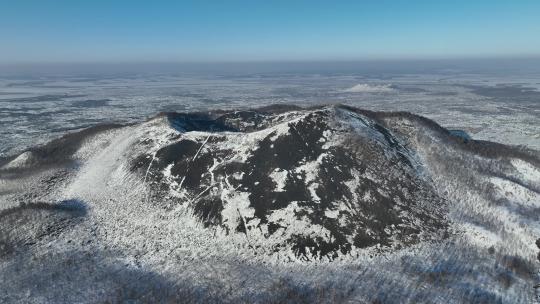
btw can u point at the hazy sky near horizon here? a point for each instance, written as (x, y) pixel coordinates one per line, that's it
(122, 31)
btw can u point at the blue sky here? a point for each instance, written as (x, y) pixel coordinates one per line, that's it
(95, 30)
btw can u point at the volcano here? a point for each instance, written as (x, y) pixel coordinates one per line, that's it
(273, 188)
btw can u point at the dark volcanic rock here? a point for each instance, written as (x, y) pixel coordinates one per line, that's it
(320, 183)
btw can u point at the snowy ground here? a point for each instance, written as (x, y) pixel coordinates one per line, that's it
(503, 106)
(92, 230)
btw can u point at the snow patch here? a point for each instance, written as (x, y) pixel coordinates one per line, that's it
(527, 170)
(480, 236)
(280, 178)
(370, 88)
(516, 193)
(22, 161)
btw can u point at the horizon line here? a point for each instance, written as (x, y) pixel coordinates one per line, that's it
(262, 61)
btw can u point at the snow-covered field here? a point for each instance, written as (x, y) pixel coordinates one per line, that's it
(279, 205)
(502, 106)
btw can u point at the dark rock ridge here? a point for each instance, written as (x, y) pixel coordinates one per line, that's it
(322, 182)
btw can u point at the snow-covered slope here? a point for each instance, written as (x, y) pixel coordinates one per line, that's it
(321, 204)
